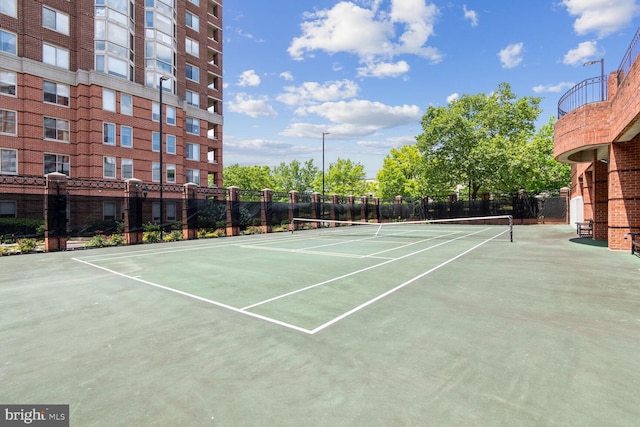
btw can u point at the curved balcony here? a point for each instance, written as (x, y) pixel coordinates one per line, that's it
(585, 92)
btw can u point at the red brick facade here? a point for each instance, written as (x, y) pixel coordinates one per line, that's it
(602, 142)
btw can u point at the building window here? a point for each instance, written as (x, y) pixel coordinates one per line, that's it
(109, 211)
(109, 167)
(126, 168)
(193, 175)
(56, 93)
(192, 21)
(8, 122)
(108, 99)
(8, 209)
(193, 151)
(155, 112)
(57, 129)
(155, 213)
(193, 125)
(171, 144)
(155, 142)
(192, 47)
(126, 104)
(8, 161)
(9, 7)
(109, 133)
(196, 2)
(193, 98)
(8, 42)
(155, 172)
(56, 163)
(126, 136)
(170, 212)
(171, 173)
(193, 73)
(55, 20)
(55, 56)
(8, 82)
(170, 114)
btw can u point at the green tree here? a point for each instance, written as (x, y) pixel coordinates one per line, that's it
(401, 173)
(343, 177)
(294, 176)
(474, 140)
(248, 177)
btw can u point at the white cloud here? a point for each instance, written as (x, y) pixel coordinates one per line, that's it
(367, 113)
(384, 69)
(471, 15)
(602, 17)
(249, 78)
(286, 75)
(452, 97)
(369, 33)
(580, 54)
(250, 106)
(511, 56)
(309, 92)
(559, 87)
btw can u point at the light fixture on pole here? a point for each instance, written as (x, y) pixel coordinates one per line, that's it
(162, 79)
(323, 134)
(601, 61)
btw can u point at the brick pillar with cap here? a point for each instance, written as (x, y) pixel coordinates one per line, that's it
(233, 211)
(294, 199)
(190, 211)
(266, 213)
(134, 195)
(55, 212)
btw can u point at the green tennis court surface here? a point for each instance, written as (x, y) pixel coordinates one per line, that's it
(423, 326)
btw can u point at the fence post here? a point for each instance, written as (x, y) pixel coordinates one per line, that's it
(233, 211)
(134, 193)
(316, 208)
(190, 211)
(376, 209)
(55, 212)
(333, 215)
(265, 210)
(294, 199)
(364, 209)
(350, 203)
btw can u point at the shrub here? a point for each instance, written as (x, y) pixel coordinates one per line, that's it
(98, 241)
(27, 245)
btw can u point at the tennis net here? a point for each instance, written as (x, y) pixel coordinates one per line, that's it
(498, 226)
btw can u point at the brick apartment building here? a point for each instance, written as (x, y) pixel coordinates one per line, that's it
(598, 132)
(80, 90)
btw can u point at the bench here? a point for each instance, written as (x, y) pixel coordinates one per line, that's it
(584, 229)
(635, 242)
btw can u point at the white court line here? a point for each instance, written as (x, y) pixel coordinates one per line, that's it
(357, 271)
(196, 297)
(306, 251)
(408, 282)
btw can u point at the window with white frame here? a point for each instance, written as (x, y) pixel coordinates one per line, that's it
(57, 129)
(193, 125)
(109, 167)
(126, 168)
(155, 172)
(192, 98)
(8, 122)
(109, 211)
(193, 175)
(8, 42)
(171, 144)
(192, 151)
(171, 173)
(9, 7)
(196, 2)
(126, 136)
(192, 47)
(126, 104)
(56, 163)
(54, 20)
(192, 73)
(109, 133)
(170, 114)
(56, 93)
(54, 55)
(192, 21)
(8, 82)
(8, 209)
(8, 161)
(155, 142)
(155, 112)
(108, 99)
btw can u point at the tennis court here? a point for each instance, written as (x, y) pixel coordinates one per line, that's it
(410, 325)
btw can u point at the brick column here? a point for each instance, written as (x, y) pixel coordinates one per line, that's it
(364, 209)
(335, 200)
(294, 199)
(350, 203)
(316, 208)
(601, 200)
(55, 212)
(624, 193)
(266, 201)
(233, 211)
(190, 211)
(134, 194)
(565, 194)
(376, 209)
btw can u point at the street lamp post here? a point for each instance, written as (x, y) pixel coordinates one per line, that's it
(323, 134)
(601, 61)
(162, 79)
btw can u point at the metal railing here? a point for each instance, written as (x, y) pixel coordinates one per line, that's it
(585, 92)
(629, 57)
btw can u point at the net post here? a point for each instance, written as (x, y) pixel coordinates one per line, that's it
(510, 228)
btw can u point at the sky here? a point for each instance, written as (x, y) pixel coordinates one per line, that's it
(364, 72)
